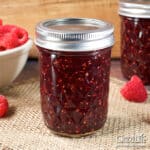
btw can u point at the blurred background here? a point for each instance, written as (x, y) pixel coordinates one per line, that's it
(27, 13)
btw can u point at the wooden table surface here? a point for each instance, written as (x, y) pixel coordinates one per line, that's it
(31, 70)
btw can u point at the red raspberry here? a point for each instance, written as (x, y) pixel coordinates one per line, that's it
(134, 90)
(22, 35)
(8, 41)
(8, 37)
(6, 29)
(3, 105)
(1, 22)
(12, 36)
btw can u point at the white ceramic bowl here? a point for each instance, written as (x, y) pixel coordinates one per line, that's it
(12, 62)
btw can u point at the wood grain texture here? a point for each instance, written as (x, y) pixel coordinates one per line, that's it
(27, 13)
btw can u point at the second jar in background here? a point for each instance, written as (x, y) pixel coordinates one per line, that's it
(135, 38)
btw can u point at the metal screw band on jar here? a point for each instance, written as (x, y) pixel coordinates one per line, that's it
(135, 8)
(76, 34)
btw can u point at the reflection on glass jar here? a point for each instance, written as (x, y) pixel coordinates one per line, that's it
(74, 81)
(135, 39)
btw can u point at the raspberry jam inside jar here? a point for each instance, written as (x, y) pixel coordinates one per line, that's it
(135, 38)
(74, 74)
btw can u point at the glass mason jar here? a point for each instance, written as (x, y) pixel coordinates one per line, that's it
(135, 38)
(74, 74)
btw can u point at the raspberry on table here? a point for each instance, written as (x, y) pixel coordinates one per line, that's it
(134, 90)
(3, 105)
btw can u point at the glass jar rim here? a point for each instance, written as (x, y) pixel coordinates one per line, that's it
(134, 8)
(74, 34)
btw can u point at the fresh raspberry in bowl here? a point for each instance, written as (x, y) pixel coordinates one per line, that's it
(14, 49)
(1, 22)
(12, 36)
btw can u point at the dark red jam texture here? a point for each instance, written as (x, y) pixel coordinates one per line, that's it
(74, 90)
(135, 48)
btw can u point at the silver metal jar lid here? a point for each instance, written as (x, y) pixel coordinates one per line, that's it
(74, 34)
(135, 8)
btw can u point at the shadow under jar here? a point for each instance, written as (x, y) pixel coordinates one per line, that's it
(74, 74)
(135, 38)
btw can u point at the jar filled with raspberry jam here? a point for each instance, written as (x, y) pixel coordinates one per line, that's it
(74, 56)
(135, 38)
